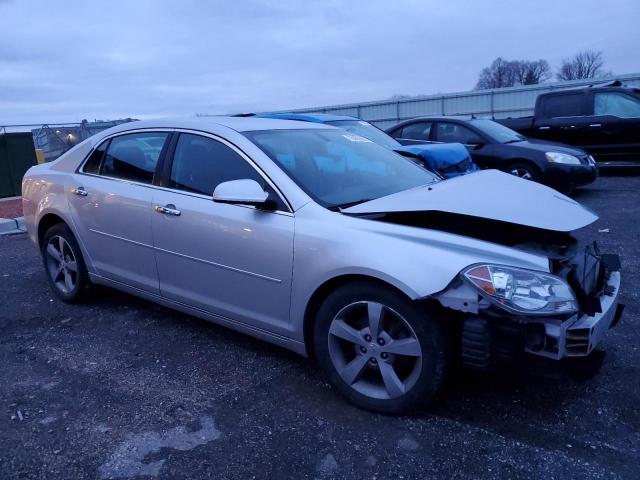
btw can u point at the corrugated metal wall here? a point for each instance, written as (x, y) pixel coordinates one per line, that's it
(496, 103)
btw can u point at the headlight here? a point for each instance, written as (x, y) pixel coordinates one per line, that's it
(522, 291)
(557, 157)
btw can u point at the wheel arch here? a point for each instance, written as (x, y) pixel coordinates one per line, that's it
(46, 222)
(519, 160)
(323, 291)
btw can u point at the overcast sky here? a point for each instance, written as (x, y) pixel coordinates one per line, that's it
(65, 61)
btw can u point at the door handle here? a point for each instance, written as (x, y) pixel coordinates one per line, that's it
(168, 210)
(544, 128)
(595, 125)
(80, 191)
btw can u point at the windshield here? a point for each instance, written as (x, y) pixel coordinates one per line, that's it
(367, 130)
(337, 168)
(497, 131)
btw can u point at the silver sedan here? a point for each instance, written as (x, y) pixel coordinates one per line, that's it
(320, 241)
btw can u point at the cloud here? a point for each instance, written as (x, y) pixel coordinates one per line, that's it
(78, 59)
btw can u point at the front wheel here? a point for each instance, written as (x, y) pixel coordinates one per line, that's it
(524, 171)
(379, 349)
(63, 262)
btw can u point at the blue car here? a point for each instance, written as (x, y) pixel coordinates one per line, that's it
(447, 159)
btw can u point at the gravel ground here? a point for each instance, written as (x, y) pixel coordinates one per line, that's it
(122, 388)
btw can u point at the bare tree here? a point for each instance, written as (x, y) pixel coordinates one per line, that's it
(499, 74)
(587, 64)
(509, 73)
(531, 72)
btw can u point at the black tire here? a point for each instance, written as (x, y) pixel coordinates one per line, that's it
(81, 282)
(426, 325)
(529, 171)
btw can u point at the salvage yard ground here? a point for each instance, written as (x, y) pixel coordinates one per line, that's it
(123, 388)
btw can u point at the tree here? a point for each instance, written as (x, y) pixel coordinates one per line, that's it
(531, 72)
(509, 73)
(499, 74)
(587, 64)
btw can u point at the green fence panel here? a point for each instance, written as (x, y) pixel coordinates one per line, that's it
(17, 155)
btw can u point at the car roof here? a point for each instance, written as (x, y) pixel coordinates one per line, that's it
(239, 124)
(307, 117)
(435, 118)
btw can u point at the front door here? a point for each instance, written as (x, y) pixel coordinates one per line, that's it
(231, 260)
(110, 201)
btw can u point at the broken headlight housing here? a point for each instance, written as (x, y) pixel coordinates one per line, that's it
(522, 291)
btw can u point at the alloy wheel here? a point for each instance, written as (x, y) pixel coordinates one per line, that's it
(374, 350)
(61, 264)
(522, 173)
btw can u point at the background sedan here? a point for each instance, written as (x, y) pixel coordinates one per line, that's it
(495, 146)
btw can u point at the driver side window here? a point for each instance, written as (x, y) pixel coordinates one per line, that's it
(200, 164)
(455, 133)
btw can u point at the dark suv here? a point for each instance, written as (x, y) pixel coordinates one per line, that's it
(495, 146)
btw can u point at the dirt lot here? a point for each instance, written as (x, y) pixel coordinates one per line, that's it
(122, 388)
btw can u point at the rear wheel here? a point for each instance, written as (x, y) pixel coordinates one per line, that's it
(524, 170)
(381, 350)
(63, 262)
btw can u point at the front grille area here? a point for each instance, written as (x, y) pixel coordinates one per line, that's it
(577, 341)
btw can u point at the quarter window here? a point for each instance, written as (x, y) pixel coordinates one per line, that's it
(92, 165)
(616, 104)
(133, 156)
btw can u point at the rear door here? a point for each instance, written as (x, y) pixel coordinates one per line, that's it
(563, 118)
(110, 201)
(615, 125)
(231, 260)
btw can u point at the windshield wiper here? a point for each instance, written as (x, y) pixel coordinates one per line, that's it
(514, 141)
(342, 206)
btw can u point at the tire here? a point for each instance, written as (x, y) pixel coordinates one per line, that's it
(418, 372)
(67, 273)
(526, 171)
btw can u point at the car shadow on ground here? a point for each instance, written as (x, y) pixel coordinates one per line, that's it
(528, 387)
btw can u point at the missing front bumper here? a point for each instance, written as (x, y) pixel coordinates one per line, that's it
(578, 335)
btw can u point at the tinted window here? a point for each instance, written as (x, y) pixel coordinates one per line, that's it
(336, 167)
(454, 132)
(564, 105)
(133, 156)
(616, 104)
(416, 131)
(200, 164)
(92, 165)
(498, 132)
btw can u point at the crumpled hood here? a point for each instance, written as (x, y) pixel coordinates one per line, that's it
(490, 194)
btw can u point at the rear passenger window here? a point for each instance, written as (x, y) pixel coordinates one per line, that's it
(570, 105)
(92, 165)
(133, 156)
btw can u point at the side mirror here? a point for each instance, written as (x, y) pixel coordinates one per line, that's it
(245, 191)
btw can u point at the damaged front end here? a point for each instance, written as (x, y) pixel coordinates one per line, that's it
(558, 312)
(563, 313)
